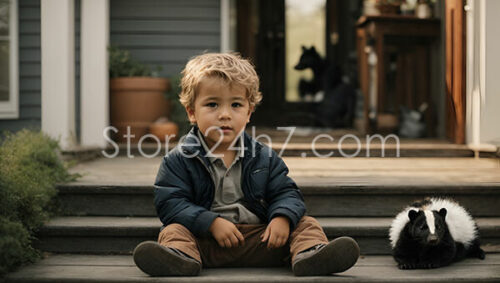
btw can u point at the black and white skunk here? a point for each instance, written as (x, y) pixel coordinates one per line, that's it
(433, 233)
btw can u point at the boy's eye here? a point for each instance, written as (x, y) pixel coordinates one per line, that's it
(211, 104)
(236, 104)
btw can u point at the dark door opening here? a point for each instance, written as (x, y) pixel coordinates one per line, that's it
(272, 34)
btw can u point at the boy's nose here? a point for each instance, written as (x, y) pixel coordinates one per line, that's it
(224, 114)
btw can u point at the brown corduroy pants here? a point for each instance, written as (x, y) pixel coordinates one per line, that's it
(253, 253)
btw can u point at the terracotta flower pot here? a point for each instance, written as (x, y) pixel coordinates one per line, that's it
(136, 102)
(160, 130)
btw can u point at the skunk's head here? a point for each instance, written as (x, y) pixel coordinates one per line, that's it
(427, 226)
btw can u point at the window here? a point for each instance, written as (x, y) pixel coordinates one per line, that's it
(9, 95)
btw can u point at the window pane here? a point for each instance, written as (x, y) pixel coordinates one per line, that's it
(305, 26)
(4, 71)
(4, 17)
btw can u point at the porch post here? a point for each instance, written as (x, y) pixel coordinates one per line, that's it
(224, 25)
(473, 62)
(94, 86)
(490, 116)
(483, 99)
(58, 70)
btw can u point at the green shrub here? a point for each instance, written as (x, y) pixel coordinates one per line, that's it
(15, 244)
(30, 168)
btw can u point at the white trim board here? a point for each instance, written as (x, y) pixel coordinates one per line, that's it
(58, 70)
(227, 26)
(94, 80)
(224, 25)
(482, 95)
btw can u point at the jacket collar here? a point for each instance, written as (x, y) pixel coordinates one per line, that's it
(192, 145)
(239, 143)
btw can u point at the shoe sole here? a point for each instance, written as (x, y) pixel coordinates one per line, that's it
(156, 260)
(338, 256)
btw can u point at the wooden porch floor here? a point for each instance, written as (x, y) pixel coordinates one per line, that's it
(335, 170)
(121, 268)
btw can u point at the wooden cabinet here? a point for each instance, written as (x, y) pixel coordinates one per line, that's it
(394, 54)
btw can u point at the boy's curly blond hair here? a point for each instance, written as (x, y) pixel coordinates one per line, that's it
(231, 68)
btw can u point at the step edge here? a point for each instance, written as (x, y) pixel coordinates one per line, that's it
(376, 229)
(307, 188)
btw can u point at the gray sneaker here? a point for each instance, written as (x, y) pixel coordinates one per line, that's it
(157, 260)
(337, 256)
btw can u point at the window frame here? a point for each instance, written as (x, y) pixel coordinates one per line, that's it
(10, 109)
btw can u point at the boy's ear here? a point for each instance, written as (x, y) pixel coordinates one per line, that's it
(250, 111)
(190, 113)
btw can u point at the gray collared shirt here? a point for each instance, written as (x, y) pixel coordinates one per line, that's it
(227, 182)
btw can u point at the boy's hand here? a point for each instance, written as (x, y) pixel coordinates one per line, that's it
(277, 232)
(226, 233)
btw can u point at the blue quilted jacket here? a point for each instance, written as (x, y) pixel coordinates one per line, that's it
(184, 190)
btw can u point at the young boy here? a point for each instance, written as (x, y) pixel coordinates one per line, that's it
(224, 198)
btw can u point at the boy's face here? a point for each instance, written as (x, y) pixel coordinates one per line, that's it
(220, 108)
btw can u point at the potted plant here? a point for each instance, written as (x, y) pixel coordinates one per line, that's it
(136, 95)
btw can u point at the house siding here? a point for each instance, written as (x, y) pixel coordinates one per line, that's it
(30, 88)
(29, 69)
(162, 33)
(165, 33)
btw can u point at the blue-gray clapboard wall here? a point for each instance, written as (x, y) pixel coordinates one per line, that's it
(157, 32)
(29, 68)
(165, 32)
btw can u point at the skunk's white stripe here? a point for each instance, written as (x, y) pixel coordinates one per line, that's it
(431, 223)
(460, 224)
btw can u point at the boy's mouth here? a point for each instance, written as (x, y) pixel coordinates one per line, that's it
(226, 128)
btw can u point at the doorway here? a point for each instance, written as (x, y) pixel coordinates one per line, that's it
(273, 34)
(269, 33)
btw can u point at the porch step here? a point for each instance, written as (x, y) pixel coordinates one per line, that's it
(348, 148)
(326, 141)
(81, 153)
(324, 196)
(120, 235)
(121, 268)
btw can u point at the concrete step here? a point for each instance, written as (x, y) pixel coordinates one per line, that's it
(324, 196)
(121, 268)
(348, 148)
(92, 234)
